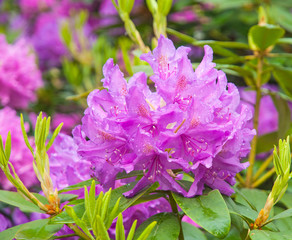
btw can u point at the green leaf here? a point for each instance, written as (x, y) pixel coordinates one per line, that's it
(167, 227)
(25, 135)
(120, 230)
(67, 197)
(116, 194)
(284, 78)
(132, 231)
(268, 235)
(55, 134)
(8, 145)
(77, 186)
(78, 221)
(287, 200)
(192, 233)
(66, 34)
(255, 196)
(282, 16)
(266, 142)
(37, 230)
(264, 36)
(102, 232)
(284, 115)
(284, 214)
(9, 233)
(164, 6)
(144, 235)
(15, 199)
(284, 41)
(209, 211)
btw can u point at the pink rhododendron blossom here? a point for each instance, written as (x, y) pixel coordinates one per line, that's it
(21, 157)
(19, 75)
(194, 122)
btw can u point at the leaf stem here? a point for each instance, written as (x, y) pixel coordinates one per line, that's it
(263, 178)
(175, 211)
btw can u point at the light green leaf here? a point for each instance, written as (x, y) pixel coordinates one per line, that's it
(268, 235)
(144, 235)
(132, 231)
(120, 230)
(209, 211)
(264, 36)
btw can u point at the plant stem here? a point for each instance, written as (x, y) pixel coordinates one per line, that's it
(175, 210)
(264, 178)
(252, 155)
(263, 167)
(78, 231)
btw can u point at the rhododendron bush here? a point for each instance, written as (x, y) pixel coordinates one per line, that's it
(156, 119)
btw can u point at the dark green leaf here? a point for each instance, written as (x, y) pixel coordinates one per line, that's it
(86, 183)
(15, 199)
(209, 211)
(266, 142)
(167, 227)
(264, 36)
(192, 233)
(284, 116)
(284, 78)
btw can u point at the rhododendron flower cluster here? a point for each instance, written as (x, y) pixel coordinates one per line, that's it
(21, 157)
(193, 122)
(19, 74)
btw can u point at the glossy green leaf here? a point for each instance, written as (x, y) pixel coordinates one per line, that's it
(192, 233)
(209, 211)
(268, 235)
(15, 199)
(38, 230)
(167, 227)
(264, 36)
(255, 196)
